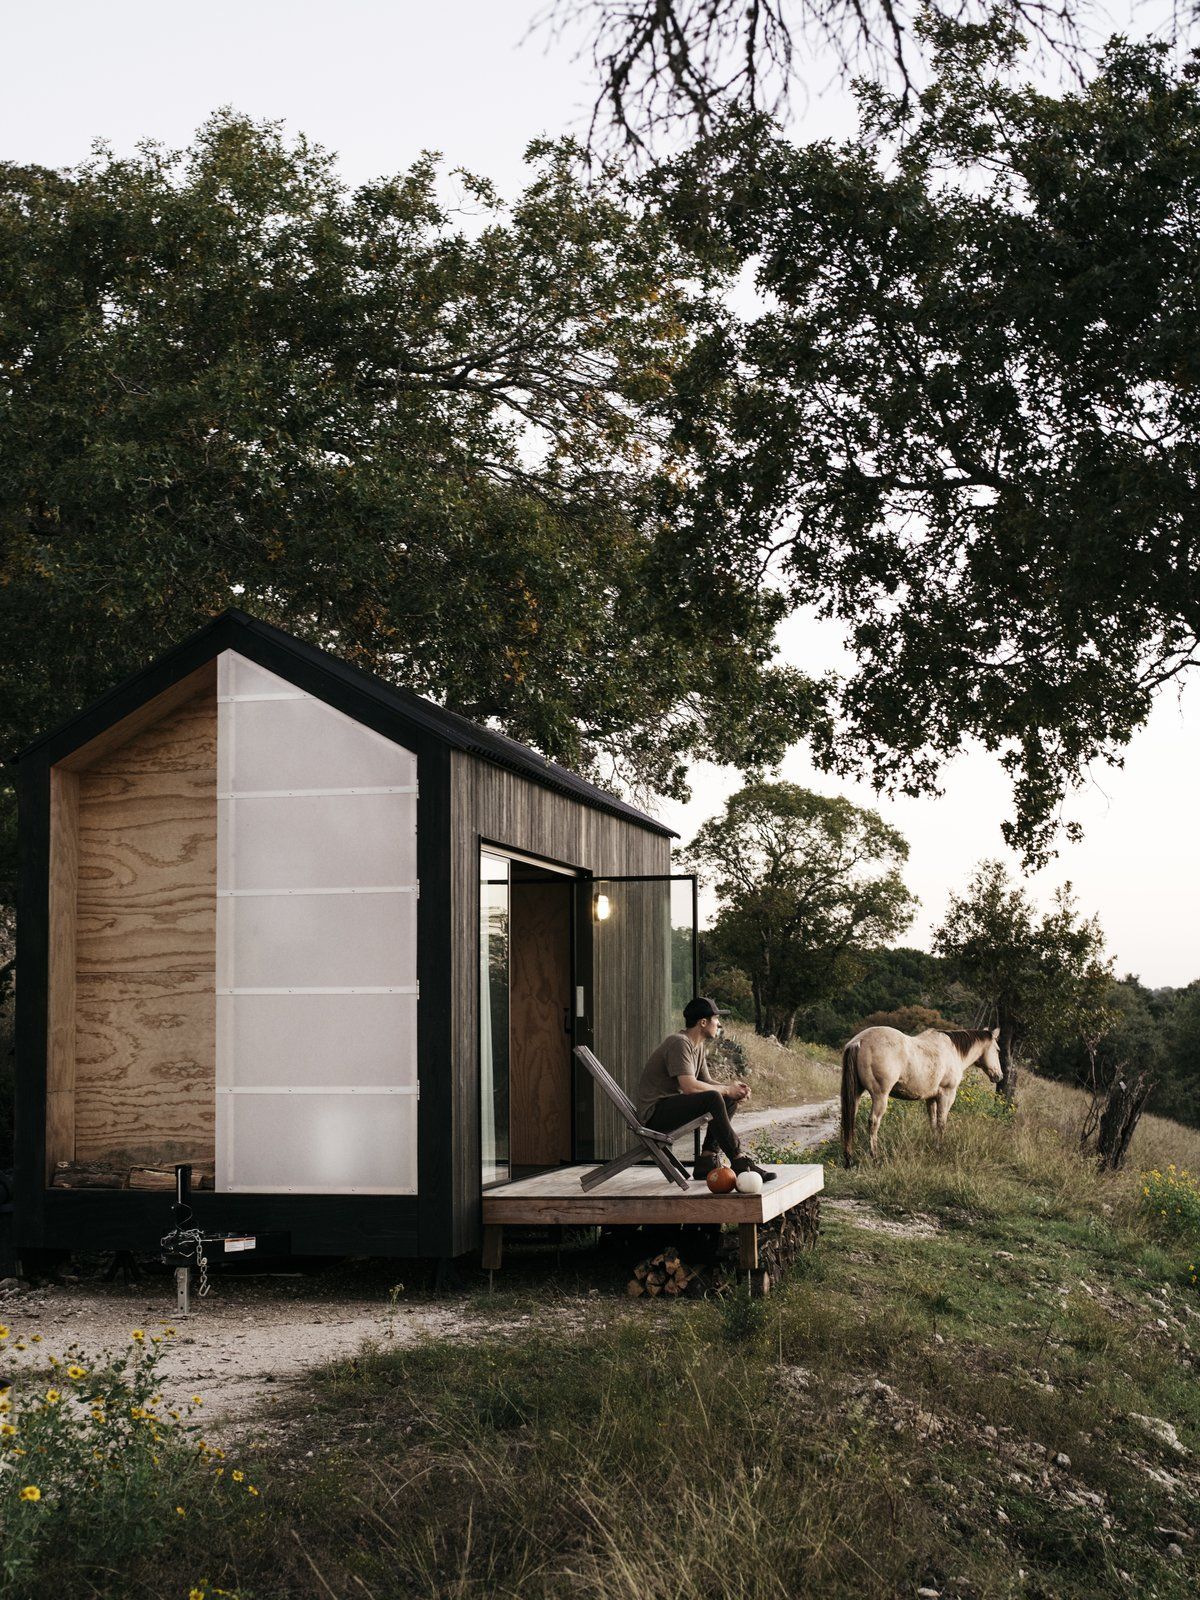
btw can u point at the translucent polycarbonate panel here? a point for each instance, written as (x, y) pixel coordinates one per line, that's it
(318, 1040)
(305, 744)
(317, 870)
(318, 1143)
(245, 677)
(315, 941)
(319, 841)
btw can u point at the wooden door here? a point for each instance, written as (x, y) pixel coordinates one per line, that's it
(539, 1014)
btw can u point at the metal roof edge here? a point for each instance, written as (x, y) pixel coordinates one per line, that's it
(425, 716)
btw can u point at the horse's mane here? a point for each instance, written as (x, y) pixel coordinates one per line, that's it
(963, 1038)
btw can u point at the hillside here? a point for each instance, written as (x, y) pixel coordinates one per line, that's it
(981, 1385)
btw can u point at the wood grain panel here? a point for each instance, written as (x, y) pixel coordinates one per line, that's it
(198, 689)
(145, 967)
(147, 841)
(540, 1066)
(60, 1044)
(144, 1049)
(502, 807)
(169, 939)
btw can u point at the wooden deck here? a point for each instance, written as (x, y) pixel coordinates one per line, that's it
(641, 1195)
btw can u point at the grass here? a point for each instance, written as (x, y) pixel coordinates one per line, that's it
(954, 1409)
(781, 1075)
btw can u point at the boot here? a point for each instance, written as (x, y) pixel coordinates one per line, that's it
(707, 1161)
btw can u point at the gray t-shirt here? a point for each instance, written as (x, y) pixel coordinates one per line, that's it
(676, 1057)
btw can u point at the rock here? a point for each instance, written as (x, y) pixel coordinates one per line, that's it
(1158, 1429)
(1005, 1255)
(989, 1432)
(929, 1594)
(9, 1285)
(1175, 1552)
(1062, 1460)
(883, 1391)
(1002, 1516)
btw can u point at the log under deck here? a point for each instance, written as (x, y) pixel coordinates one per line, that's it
(641, 1195)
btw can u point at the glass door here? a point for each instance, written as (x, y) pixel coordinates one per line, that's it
(494, 912)
(637, 941)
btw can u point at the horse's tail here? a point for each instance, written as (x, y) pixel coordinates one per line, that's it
(850, 1094)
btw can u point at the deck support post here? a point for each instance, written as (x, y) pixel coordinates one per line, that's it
(493, 1246)
(748, 1246)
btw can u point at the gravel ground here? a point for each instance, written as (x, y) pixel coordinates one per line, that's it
(255, 1336)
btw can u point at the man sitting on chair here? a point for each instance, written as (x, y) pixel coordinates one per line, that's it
(676, 1087)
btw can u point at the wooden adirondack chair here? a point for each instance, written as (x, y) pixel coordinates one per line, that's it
(650, 1142)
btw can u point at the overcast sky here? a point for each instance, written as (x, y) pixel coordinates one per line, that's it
(378, 83)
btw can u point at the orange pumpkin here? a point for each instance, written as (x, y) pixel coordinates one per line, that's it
(721, 1180)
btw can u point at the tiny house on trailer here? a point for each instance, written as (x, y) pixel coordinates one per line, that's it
(330, 943)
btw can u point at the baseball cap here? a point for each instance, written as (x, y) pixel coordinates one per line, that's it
(699, 1008)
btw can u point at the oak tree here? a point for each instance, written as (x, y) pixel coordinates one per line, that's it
(964, 419)
(803, 881)
(407, 421)
(1042, 977)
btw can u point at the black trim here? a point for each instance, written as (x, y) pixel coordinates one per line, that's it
(396, 713)
(319, 1224)
(33, 969)
(444, 1223)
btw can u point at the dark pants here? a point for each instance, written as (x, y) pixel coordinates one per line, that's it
(676, 1109)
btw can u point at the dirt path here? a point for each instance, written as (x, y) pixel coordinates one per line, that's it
(806, 1126)
(253, 1339)
(244, 1346)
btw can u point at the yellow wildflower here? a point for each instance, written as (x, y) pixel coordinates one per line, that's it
(180, 1512)
(237, 1476)
(138, 1336)
(196, 1400)
(3, 1330)
(8, 1429)
(53, 1397)
(76, 1373)
(195, 1594)
(5, 1405)
(35, 1338)
(31, 1492)
(250, 1489)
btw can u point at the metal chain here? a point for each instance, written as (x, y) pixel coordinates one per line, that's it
(178, 1243)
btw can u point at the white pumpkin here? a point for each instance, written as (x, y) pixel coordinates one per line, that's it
(749, 1183)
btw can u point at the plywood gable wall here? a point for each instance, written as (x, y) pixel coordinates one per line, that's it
(133, 1003)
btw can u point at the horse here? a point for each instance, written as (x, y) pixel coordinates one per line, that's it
(929, 1067)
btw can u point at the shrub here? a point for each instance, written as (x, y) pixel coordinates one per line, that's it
(1171, 1200)
(977, 1097)
(94, 1459)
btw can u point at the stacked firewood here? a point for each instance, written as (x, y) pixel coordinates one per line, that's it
(666, 1273)
(97, 1175)
(780, 1242)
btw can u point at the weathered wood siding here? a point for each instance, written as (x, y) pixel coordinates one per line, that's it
(489, 803)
